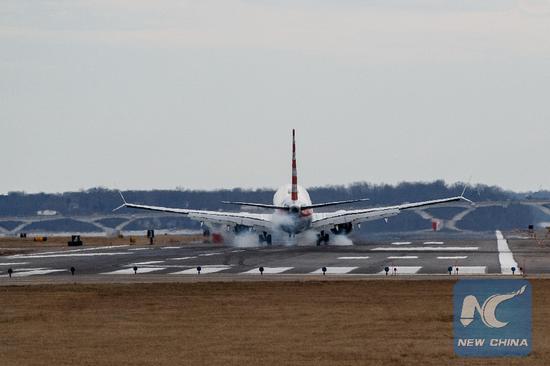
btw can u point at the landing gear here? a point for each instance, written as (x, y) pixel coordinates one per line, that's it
(322, 237)
(264, 237)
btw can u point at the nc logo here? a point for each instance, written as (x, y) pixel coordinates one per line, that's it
(486, 311)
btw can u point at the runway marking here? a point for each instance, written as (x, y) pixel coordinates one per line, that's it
(434, 242)
(268, 270)
(209, 254)
(470, 270)
(61, 255)
(182, 258)
(204, 270)
(401, 270)
(13, 264)
(144, 263)
(401, 243)
(505, 256)
(84, 249)
(335, 270)
(425, 249)
(131, 270)
(25, 272)
(136, 249)
(364, 257)
(238, 251)
(170, 248)
(454, 257)
(105, 247)
(404, 257)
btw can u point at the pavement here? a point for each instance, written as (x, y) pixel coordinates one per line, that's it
(484, 255)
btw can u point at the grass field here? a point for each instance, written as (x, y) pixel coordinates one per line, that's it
(393, 322)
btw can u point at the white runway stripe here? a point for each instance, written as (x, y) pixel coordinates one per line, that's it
(335, 270)
(268, 270)
(105, 247)
(364, 257)
(425, 249)
(82, 249)
(182, 258)
(30, 256)
(204, 270)
(401, 270)
(404, 257)
(13, 264)
(454, 257)
(150, 262)
(505, 256)
(209, 254)
(131, 270)
(33, 272)
(470, 270)
(433, 243)
(401, 243)
(136, 249)
(170, 248)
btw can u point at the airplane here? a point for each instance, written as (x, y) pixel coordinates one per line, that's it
(293, 213)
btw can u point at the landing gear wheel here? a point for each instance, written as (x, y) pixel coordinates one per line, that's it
(322, 237)
(264, 238)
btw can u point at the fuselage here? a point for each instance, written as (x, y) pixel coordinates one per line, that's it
(294, 220)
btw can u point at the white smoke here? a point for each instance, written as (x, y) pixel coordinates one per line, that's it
(281, 219)
(279, 236)
(309, 237)
(340, 240)
(245, 240)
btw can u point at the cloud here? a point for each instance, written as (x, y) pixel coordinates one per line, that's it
(351, 31)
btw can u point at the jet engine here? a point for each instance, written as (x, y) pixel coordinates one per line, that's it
(344, 228)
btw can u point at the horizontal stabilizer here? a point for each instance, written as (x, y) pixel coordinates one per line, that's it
(252, 204)
(336, 203)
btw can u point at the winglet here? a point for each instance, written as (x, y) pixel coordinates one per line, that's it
(464, 191)
(123, 204)
(121, 196)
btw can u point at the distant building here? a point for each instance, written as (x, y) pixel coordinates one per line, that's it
(46, 213)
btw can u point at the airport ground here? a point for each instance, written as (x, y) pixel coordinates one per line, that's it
(178, 258)
(167, 313)
(297, 322)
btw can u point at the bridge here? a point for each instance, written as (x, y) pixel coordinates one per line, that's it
(21, 223)
(14, 225)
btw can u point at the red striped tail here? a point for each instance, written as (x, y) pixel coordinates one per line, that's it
(294, 193)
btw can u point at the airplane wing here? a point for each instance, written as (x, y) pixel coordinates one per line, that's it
(329, 219)
(215, 217)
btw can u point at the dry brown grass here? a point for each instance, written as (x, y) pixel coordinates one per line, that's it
(243, 323)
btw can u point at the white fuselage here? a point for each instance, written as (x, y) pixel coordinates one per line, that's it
(295, 220)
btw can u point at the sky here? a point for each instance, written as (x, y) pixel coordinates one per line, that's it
(203, 94)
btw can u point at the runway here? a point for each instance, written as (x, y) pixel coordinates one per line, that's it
(485, 255)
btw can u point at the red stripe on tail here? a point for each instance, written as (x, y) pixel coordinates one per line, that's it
(294, 193)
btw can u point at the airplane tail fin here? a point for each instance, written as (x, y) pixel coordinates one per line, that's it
(294, 193)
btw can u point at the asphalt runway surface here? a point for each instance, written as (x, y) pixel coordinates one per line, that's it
(486, 255)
